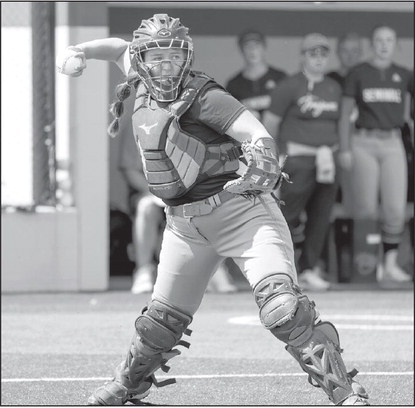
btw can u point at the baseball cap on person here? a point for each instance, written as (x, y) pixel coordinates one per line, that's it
(314, 40)
(251, 35)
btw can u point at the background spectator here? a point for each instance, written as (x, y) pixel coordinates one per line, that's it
(307, 106)
(254, 84)
(375, 152)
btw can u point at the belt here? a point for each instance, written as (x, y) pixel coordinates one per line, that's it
(378, 133)
(202, 207)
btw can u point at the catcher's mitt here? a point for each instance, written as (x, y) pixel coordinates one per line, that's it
(263, 173)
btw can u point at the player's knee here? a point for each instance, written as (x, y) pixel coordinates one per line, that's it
(284, 310)
(161, 326)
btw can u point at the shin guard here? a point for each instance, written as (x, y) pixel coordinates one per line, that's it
(291, 317)
(158, 330)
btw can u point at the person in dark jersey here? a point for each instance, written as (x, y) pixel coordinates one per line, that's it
(305, 107)
(254, 84)
(374, 153)
(190, 132)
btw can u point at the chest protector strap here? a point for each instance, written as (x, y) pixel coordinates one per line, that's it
(172, 158)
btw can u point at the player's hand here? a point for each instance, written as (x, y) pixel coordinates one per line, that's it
(71, 62)
(345, 159)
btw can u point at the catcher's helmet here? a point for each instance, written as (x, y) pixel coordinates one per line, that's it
(161, 32)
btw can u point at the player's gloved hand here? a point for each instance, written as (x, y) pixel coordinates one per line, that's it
(71, 62)
(345, 159)
(263, 173)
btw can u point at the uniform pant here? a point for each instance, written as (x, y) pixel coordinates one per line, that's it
(380, 170)
(242, 229)
(316, 200)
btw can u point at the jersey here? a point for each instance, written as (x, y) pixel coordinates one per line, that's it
(339, 78)
(309, 111)
(209, 117)
(379, 95)
(255, 94)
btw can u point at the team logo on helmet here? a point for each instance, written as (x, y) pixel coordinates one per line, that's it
(164, 33)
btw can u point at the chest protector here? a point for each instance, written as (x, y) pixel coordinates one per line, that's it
(173, 159)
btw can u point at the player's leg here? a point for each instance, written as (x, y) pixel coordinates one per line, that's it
(319, 209)
(262, 248)
(186, 265)
(365, 178)
(297, 196)
(146, 233)
(365, 183)
(393, 191)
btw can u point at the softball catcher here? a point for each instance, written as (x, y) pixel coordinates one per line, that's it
(191, 133)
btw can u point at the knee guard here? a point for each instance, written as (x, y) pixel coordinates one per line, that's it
(158, 330)
(284, 310)
(292, 318)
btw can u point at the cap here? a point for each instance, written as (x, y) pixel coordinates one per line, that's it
(314, 40)
(251, 36)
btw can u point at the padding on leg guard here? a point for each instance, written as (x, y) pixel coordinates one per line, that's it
(162, 326)
(158, 330)
(284, 310)
(320, 358)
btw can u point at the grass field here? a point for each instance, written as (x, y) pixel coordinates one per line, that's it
(56, 348)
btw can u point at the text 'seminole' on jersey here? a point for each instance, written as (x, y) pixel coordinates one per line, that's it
(379, 95)
(172, 158)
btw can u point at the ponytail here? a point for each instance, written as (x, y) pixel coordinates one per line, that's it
(122, 91)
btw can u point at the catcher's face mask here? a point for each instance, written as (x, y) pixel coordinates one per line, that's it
(165, 70)
(162, 55)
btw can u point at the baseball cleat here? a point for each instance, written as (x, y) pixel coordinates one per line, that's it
(356, 400)
(114, 393)
(360, 396)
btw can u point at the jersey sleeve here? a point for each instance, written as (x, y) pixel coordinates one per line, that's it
(218, 109)
(350, 87)
(281, 97)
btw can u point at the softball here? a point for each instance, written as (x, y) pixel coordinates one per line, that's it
(70, 63)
